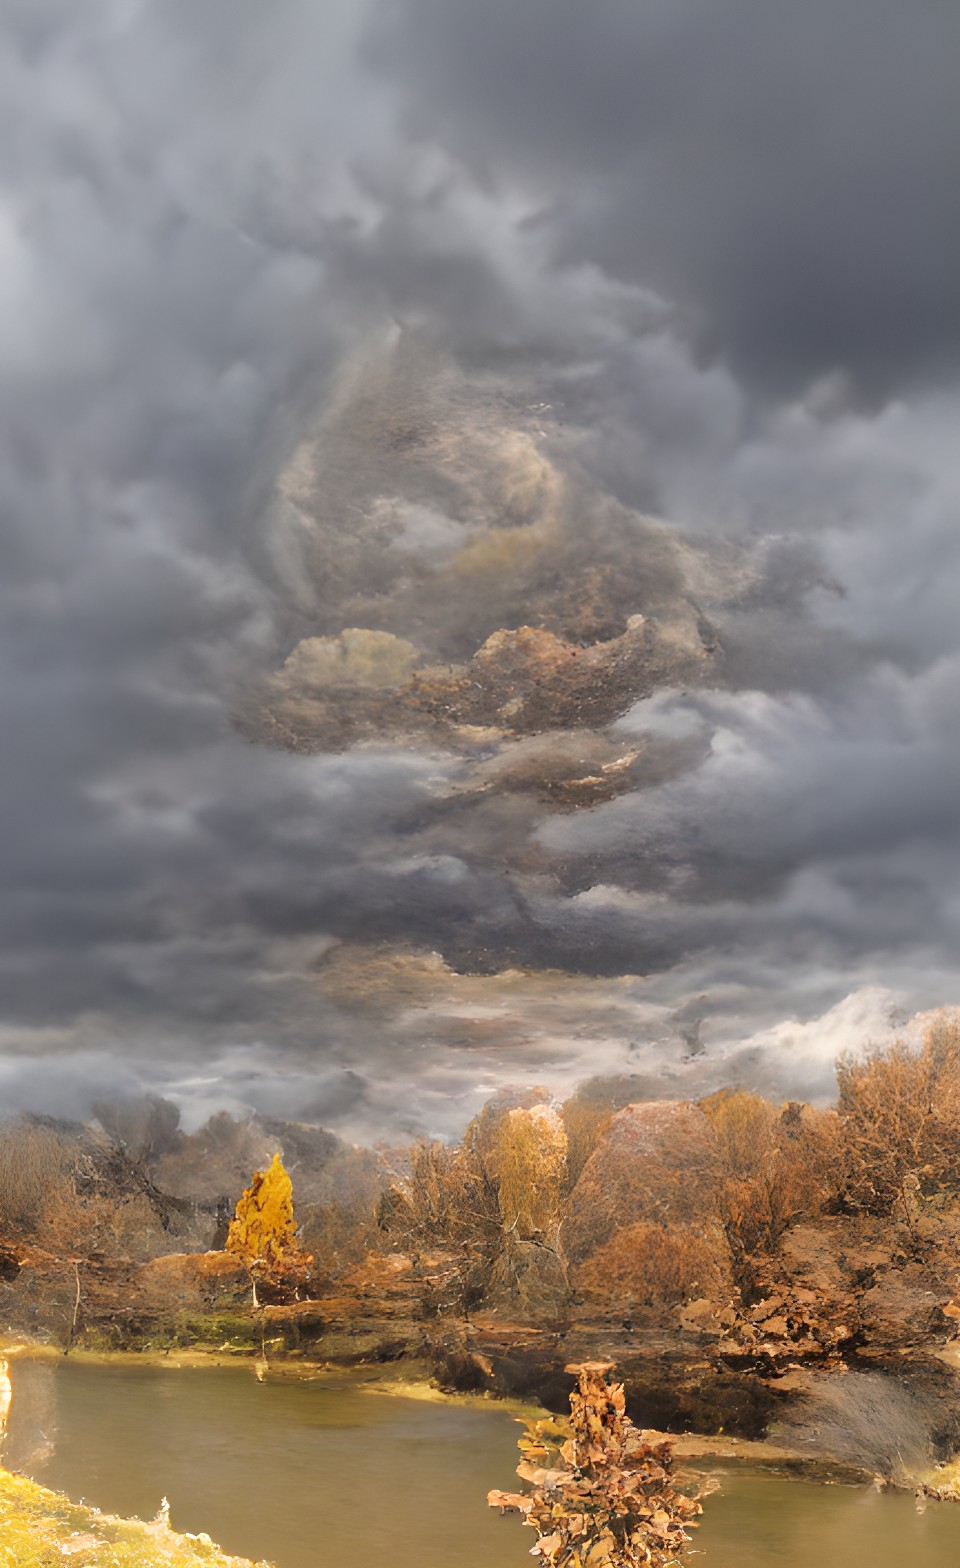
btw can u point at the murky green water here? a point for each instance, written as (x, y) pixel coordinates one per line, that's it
(325, 1473)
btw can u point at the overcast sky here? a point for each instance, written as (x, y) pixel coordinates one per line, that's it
(429, 321)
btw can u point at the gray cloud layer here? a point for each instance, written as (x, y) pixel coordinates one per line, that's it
(408, 320)
(785, 171)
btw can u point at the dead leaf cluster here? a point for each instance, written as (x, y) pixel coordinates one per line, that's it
(601, 1495)
(796, 1322)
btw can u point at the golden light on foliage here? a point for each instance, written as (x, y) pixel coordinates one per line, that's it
(263, 1231)
(602, 1495)
(586, 1116)
(529, 1163)
(6, 1397)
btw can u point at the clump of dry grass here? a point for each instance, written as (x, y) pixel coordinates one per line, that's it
(41, 1529)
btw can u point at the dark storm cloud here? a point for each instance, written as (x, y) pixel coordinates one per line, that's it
(784, 171)
(163, 878)
(159, 358)
(293, 350)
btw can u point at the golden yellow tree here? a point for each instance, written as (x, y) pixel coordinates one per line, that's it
(528, 1164)
(777, 1165)
(263, 1231)
(529, 1161)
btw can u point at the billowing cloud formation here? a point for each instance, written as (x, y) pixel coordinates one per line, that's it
(784, 171)
(479, 550)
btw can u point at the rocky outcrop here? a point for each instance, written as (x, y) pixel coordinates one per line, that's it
(848, 1289)
(199, 1281)
(655, 1163)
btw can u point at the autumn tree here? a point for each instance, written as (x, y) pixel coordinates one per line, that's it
(484, 1131)
(528, 1161)
(589, 1110)
(776, 1165)
(656, 1162)
(584, 1121)
(445, 1198)
(340, 1223)
(899, 1114)
(38, 1164)
(602, 1495)
(263, 1231)
(496, 1200)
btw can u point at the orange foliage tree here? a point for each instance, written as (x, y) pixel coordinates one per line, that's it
(656, 1162)
(602, 1495)
(527, 1160)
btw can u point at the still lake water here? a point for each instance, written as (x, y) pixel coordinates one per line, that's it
(327, 1473)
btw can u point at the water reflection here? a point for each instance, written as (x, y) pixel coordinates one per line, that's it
(304, 1473)
(293, 1472)
(31, 1433)
(6, 1396)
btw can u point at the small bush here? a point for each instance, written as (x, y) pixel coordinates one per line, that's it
(652, 1265)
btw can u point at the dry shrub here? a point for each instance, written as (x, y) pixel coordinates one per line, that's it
(505, 1179)
(37, 1165)
(777, 1165)
(652, 1265)
(602, 1496)
(354, 1178)
(585, 1121)
(125, 1227)
(588, 1112)
(483, 1133)
(899, 1114)
(336, 1235)
(527, 1282)
(445, 1198)
(496, 1200)
(527, 1161)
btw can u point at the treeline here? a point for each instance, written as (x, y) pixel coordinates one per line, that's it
(645, 1205)
(132, 1185)
(620, 1206)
